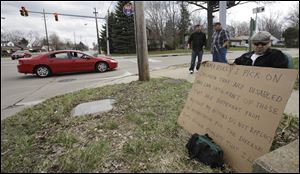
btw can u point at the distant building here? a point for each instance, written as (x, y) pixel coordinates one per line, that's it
(239, 41)
(9, 47)
(243, 41)
(7, 44)
(274, 40)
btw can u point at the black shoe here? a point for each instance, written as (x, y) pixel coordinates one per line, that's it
(191, 71)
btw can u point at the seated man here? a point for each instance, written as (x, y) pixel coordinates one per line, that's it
(263, 55)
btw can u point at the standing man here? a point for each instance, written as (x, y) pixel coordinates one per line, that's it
(220, 43)
(197, 40)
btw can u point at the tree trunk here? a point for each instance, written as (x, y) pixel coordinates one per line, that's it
(209, 24)
(161, 42)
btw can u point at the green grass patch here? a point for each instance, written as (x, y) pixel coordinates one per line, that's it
(296, 66)
(140, 133)
(238, 49)
(79, 160)
(63, 139)
(111, 125)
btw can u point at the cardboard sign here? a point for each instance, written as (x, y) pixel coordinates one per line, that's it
(240, 107)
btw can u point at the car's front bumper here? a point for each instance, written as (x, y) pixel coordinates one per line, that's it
(113, 65)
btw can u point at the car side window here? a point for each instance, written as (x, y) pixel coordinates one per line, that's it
(80, 55)
(76, 55)
(52, 56)
(60, 56)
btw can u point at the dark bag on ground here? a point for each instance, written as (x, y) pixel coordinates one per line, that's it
(203, 149)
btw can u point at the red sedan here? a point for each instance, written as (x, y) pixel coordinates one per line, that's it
(64, 61)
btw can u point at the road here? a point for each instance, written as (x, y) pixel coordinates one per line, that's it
(19, 91)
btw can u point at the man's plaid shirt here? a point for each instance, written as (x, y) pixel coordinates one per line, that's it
(219, 37)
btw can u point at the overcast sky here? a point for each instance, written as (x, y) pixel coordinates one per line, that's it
(84, 28)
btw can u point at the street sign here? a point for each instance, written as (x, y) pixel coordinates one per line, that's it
(258, 9)
(128, 9)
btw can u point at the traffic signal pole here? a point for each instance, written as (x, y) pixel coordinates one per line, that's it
(46, 30)
(62, 14)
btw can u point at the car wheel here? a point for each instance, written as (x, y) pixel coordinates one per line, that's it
(101, 67)
(42, 71)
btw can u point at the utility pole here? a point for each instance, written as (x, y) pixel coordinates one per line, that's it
(107, 36)
(222, 13)
(46, 29)
(141, 41)
(97, 31)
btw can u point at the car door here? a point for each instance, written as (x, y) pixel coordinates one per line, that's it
(80, 62)
(60, 62)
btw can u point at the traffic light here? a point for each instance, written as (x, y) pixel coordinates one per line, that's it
(23, 11)
(55, 16)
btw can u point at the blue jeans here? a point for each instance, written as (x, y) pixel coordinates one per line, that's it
(220, 55)
(193, 60)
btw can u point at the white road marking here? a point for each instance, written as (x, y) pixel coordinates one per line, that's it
(154, 61)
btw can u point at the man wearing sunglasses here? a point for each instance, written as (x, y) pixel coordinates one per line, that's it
(262, 54)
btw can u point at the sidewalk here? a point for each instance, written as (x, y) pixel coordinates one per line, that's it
(180, 72)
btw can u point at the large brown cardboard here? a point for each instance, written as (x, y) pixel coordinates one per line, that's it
(239, 107)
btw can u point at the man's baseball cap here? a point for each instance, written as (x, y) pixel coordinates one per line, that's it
(261, 36)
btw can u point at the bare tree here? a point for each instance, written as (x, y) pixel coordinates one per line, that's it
(241, 28)
(231, 31)
(156, 19)
(34, 38)
(14, 36)
(272, 23)
(172, 15)
(196, 19)
(55, 41)
(293, 16)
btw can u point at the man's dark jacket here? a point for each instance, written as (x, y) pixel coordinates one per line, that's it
(198, 40)
(272, 58)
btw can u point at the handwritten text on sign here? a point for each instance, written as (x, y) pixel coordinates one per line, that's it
(239, 107)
